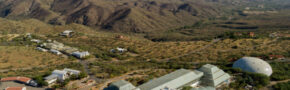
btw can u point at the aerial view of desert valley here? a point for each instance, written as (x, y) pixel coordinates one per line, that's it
(144, 44)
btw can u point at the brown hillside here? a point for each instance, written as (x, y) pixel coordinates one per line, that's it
(122, 15)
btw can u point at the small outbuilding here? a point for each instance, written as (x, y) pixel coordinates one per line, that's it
(35, 40)
(41, 49)
(67, 33)
(57, 75)
(55, 52)
(120, 85)
(61, 74)
(81, 54)
(72, 72)
(51, 79)
(120, 50)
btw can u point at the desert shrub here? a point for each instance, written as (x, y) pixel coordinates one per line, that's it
(111, 69)
(133, 50)
(103, 56)
(280, 71)
(187, 88)
(287, 54)
(255, 79)
(282, 86)
(82, 75)
(56, 86)
(74, 77)
(72, 65)
(41, 82)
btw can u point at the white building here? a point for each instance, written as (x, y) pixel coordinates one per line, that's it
(81, 54)
(120, 85)
(55, 52)
(57, 75)
(120, 50)
(51, 79)
(208, 77)
(60, 75)
(66, 33)
(53, 45)
(71, 71)
(174, 81)
(35, 40)
(41, 49)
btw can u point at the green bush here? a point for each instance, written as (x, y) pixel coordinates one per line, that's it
(282, 86)
(41, 82)
(255, 79)
(133, 50)
(280, 71)
(104, 56)
(82, 75)
(186, 88)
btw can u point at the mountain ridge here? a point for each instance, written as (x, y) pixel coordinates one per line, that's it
(118, 15)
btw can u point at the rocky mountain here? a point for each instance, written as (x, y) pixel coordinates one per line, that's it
(120, 15)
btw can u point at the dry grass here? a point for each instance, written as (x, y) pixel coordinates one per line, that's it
(160, 50)
(147, 49)
(25, 57)
(38, 27)
(245, 47)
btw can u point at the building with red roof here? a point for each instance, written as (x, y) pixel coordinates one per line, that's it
(251, 34)
(15, 88)
(276, 57)
(18, 79)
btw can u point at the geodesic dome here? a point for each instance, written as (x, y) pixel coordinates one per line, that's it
(255, 65)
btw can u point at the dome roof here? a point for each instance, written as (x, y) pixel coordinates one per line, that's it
(255, 65)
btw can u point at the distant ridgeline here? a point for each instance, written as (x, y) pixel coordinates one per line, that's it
(125, 15)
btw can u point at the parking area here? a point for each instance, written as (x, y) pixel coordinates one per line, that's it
(4, 85)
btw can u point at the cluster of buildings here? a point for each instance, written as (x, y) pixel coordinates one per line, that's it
(60, 75)
(59, 49)
(207, 77)
(21, 80)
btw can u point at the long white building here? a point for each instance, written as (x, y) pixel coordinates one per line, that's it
(207, 77)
